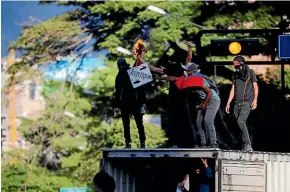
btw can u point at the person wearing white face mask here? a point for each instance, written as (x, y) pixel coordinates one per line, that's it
(245, 92)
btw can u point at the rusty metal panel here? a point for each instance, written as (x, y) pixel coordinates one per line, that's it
(242, 176)
(125, 182)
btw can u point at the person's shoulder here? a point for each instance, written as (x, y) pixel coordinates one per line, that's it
(252, 71)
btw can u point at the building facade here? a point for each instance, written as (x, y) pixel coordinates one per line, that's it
(28, 103)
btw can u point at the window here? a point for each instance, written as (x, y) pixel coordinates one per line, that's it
(3, 133)
(32, 90)
(3, 121)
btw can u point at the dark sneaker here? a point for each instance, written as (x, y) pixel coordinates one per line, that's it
(247, 148)
(142, 145)
(128, 146)
(196, 146)
(214, 146)
(173, 146)
(203, 146)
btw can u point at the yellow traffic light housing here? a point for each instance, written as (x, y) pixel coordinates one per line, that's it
(224, 47)
(235, 48)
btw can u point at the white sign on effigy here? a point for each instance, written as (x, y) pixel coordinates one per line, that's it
(140, 75)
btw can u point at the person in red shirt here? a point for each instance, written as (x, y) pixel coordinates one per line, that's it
(183, 82)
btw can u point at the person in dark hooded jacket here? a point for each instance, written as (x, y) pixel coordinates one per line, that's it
(202, 178)
(129, 101)
(245, 94)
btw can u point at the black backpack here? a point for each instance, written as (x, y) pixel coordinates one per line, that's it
(212, 83)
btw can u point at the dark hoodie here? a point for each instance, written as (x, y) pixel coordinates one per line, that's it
(125, 94)
(201, 182)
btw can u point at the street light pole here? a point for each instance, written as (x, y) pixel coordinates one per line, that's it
(163, 12)
(123, 50)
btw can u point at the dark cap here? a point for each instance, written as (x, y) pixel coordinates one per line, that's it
(239, 58)
(190, 66)
(121, 62)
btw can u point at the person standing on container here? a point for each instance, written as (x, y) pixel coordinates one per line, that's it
(206, 90)
(186, 97)
(245, 92)
(129, 101)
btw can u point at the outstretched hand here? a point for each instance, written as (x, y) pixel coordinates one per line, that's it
(189, 44)
(204, 161)
(156, 69)
(160, 71)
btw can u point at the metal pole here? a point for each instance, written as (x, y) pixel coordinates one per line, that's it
(283, 79)
(215, 75)
(12, 107)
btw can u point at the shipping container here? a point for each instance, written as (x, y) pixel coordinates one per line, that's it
(149, 170)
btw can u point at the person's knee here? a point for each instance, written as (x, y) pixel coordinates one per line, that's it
(208, 121)
(139, 121)
(241, 122)
(199, 124)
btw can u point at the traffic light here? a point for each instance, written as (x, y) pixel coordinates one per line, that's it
(224, 47)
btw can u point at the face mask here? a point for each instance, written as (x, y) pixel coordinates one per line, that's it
(124, 67)
(237, 67)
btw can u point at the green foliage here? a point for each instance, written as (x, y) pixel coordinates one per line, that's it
(54, 33)
(78, 139)
(18, 174)
(108, 135)
(155, 137)
(287, 78)
(273, 76)
(110, 24)
(258, 18)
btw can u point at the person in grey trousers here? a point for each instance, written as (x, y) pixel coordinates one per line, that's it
(245, 94)
(207, 110)
(206, 114)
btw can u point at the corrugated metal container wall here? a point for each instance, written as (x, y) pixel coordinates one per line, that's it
(277, 167)
(124, 181)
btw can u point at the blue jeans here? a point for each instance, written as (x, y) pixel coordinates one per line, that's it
(208, 116)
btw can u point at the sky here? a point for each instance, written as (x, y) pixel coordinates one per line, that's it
(60, 71)
(13, 13)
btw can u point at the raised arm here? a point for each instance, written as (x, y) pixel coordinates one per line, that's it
(189, 52)
(208, 170)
